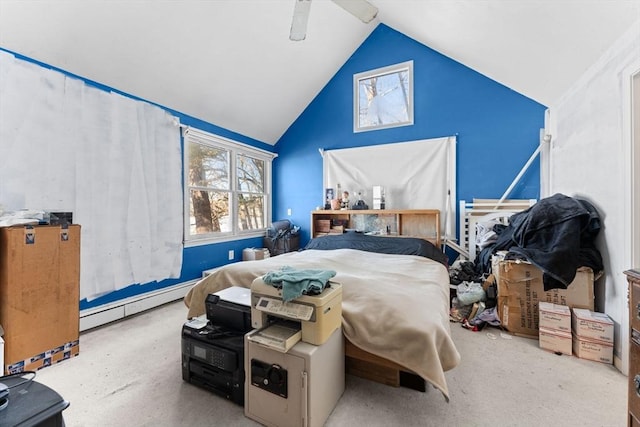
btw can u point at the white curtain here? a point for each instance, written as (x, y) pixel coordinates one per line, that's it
(113, 161)
(415, 175)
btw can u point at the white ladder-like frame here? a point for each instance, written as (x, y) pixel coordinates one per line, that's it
(471, 213)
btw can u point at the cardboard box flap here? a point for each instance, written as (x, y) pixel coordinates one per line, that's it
(556, 309)
(555, 332)
(592, 316)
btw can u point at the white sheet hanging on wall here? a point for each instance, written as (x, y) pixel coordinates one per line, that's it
(113, 161)
(415, 175)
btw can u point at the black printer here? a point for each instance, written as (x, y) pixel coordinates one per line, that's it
(213, 347)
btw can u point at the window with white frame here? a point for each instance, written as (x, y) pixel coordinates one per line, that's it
(227, 188)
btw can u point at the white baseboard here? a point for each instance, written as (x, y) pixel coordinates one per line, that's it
(98, 316)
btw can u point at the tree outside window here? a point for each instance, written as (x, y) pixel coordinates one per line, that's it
(226, 187)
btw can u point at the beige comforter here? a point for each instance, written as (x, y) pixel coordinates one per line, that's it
(393, 306)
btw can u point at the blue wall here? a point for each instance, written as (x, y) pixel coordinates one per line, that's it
(497, 129)
(195, 260)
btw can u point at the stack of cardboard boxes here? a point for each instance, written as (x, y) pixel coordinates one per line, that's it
(587, 334)
(592, 335)
(555, 328)
(563, 320)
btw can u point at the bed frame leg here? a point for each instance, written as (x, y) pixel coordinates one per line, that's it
(412, 381)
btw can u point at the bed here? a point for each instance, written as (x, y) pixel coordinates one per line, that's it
(395, 301)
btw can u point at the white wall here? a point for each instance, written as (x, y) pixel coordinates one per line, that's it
(591, 157)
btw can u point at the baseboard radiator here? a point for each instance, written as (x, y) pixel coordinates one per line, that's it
(98, 316)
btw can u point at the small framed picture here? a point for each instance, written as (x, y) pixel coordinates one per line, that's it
(329, 195)
(383, 98)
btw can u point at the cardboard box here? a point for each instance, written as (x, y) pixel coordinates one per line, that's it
(593, 350)
(252, 254)
(47, 358)
(39, 291)
(322, 225)
(520, 289)
(592, 326)
(555, 341)
(555, 317)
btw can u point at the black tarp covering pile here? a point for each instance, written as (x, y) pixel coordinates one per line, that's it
(557, 235)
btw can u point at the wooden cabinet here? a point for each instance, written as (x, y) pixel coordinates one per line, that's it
(422, 223)
(39, 295)
(633, 277)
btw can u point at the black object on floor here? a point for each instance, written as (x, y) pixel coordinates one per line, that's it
(31, 404)
(412, 381)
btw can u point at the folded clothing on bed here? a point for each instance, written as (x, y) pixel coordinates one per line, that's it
(296, 282)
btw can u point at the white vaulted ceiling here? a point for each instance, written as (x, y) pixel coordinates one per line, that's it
(231, 63)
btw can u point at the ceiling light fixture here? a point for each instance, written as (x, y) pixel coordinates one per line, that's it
(361, 9)
(300, 19)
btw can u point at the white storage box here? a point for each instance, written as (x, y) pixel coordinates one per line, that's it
(555, 341)
(592, 326)
(555, 317)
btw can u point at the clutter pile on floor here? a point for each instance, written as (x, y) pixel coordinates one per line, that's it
(557, 235)
(474, 300)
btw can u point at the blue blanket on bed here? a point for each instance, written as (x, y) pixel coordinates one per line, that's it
(379, 244)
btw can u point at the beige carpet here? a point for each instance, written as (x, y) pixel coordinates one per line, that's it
(128, 374)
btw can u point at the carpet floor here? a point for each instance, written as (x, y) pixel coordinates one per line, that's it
(128, 373)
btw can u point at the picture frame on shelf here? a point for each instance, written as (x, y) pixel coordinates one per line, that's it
(329, 195)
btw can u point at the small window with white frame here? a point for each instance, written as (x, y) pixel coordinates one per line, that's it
(383, 98)
(227, 188)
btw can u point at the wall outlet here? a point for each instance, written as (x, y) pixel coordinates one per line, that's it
(231, 256)
(289, 211)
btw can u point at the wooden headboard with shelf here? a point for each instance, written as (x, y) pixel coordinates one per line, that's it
(421, 223)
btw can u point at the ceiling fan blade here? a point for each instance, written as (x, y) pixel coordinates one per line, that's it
(361, 9)
(300, 19)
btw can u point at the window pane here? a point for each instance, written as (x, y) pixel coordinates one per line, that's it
(250, 174)
(384, 99)
(208, 167)
(209, 212)
(227, 188)
(250, 211)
